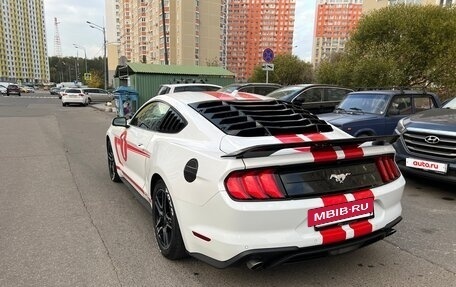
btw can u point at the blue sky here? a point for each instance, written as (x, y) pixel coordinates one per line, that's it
(73, 29)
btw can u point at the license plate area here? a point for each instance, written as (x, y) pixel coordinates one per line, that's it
(426, 165)
(337, 213)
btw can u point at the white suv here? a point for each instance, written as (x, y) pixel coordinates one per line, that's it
(74, 96)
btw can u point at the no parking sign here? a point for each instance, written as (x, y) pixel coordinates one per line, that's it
(268, 55)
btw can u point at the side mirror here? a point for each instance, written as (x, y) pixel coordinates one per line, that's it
(120, 122)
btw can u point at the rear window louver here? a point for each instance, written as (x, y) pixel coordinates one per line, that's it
(260, 118)
(172, 122)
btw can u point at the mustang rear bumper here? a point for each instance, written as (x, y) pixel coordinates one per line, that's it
(271, 257)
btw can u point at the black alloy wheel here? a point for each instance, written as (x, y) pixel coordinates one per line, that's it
(112, 164)
(166, 227)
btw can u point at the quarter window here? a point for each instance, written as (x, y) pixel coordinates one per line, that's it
(423, 103)
(401, 105)
(150, 116)
(312, 95)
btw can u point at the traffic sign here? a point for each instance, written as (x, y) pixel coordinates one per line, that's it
(268, 67)
(268, 55)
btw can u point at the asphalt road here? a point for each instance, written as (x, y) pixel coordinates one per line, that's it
(64, 223)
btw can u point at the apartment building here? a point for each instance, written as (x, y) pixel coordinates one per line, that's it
(334, 20)
(187, 33)
(251, 27)
(228, 33)
(23, 50)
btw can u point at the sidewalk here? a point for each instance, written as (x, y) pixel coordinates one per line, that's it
(103, 107)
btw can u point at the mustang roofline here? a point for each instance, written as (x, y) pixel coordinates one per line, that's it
(266, 150)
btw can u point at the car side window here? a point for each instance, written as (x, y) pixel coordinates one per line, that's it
(311, 95)
(334, 94)
(264, 90)
(247, 90)
(422, 103)
(400, 105)
(150, 116)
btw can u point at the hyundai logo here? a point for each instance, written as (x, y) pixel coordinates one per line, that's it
(432, 139)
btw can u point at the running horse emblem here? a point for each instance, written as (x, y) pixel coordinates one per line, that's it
(340, 178)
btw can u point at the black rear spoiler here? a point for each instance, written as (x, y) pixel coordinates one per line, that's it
(267, 150)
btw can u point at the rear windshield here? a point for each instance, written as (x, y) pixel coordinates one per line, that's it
(195, 89)
(72, 91)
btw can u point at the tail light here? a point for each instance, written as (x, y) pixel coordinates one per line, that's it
(254, 184)
(82, 95)
(387, 168)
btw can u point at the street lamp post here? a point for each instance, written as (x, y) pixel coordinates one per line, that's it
(105, 64)
(85, 54)
(76, 66)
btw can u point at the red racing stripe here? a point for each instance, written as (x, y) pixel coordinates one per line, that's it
(134, 149)
(293, 139)
(220, 95)
(321, 155)
(335, 233)
(247, 96)
(363, 227)
(353, 152)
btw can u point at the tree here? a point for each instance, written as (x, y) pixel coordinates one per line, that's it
(400, 45)
(288, 70)
(96, 80)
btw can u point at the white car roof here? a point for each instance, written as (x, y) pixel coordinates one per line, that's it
(194, 97)
(189, 84)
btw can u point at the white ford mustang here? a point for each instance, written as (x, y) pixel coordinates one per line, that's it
(234, 178)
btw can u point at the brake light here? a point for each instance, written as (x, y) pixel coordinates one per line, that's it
(254, 184)
(387, 168)
(82, 95)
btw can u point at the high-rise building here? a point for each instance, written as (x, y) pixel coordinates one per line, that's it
(23, 50)
(228, 33)
(334, 20)
(251, 27)
(187, 33)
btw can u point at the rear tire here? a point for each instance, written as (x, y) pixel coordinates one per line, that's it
(166, 227)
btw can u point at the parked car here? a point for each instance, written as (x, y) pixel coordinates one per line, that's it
(312, 97)
(369, 113)
(26, 89)
(2, 89)
(74, 96)
(174, 88)
(253, 88)
(98, 95)
(13, 90)
(54, 91)
(222, 174)
(427, 143)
